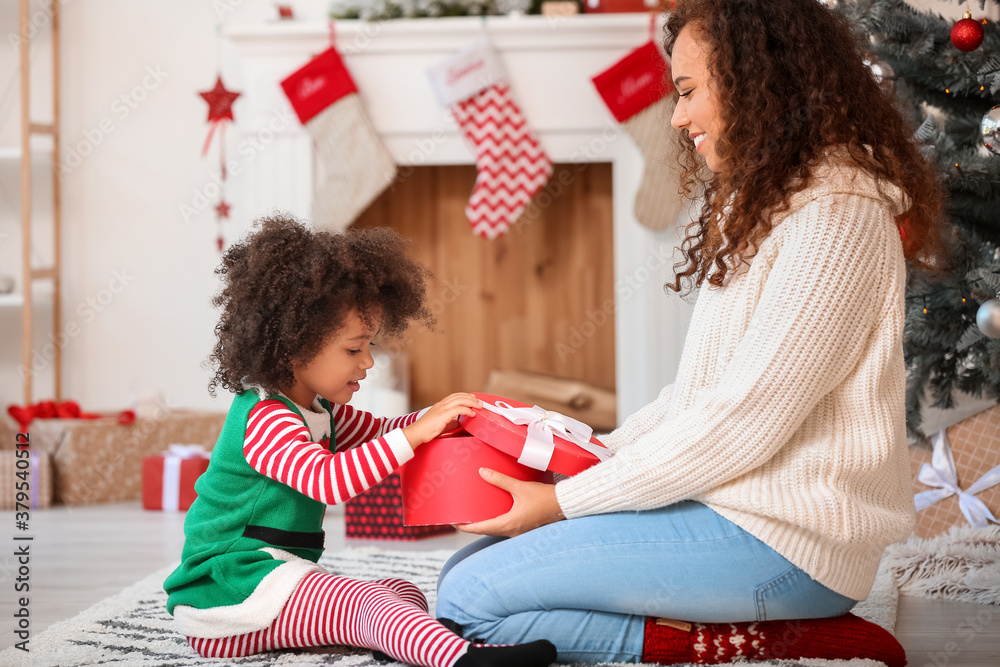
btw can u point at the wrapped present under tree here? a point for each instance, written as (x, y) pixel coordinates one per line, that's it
(958, 481)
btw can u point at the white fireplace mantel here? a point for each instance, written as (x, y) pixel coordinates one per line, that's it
(549, 63)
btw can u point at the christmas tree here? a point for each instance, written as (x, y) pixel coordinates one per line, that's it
(947, 76)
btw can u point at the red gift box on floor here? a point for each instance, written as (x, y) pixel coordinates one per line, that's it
(168, 480)
(378, 514)
(442, 483)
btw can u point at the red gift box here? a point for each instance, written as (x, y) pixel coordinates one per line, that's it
(168, 480)
(442, 483)
(378, 514)
(536, 437)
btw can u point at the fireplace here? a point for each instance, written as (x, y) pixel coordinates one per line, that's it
(549, 62)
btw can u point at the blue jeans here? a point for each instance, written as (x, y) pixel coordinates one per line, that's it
(587, 584)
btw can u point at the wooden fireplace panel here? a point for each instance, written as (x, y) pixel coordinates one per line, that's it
(534, 299)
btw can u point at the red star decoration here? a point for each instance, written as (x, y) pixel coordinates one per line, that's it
(220, 101)
(222, 209)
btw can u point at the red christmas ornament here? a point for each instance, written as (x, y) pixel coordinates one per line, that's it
(222, 209)
(220, 101)
(967, 34)
(220, 109)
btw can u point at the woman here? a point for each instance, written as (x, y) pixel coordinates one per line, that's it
(765, 483)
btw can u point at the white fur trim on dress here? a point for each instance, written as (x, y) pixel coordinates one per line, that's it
(256, 612)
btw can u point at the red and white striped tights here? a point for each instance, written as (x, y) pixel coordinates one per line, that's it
(389, 615)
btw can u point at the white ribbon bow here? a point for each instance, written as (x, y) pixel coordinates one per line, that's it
(172, 472)
(941, 473)
(543, 426)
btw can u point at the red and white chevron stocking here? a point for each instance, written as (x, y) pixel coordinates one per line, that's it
(510, 162)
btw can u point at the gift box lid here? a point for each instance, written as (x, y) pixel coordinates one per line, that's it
(539, 438)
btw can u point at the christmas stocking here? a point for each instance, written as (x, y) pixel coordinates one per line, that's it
(635, 90)
(355, 165)
(511, 164)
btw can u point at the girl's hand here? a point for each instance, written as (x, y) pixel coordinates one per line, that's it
(535, 505)
(443, 416)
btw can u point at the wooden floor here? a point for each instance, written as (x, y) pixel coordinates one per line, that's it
(82, 555)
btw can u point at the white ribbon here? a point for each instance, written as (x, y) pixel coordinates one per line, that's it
(543, 426)
(186, 451)
(941, 473)
(172, 459)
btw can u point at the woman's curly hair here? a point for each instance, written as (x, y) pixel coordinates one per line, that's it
(791, 81)
(287, 289)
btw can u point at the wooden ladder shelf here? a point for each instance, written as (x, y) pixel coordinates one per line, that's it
(29, 273)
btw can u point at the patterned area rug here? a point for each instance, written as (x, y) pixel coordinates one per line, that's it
(133, 627)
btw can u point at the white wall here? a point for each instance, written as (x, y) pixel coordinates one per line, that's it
(155, 325)
(137, 280)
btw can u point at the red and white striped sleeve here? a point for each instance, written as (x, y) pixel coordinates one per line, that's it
(355, 427)
(278, 445)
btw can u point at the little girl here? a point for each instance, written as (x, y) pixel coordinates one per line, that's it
(300, 310)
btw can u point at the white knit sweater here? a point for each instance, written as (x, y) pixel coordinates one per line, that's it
(787, 414)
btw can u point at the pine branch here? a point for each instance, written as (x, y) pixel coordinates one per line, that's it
(992, 280)
(971, 336)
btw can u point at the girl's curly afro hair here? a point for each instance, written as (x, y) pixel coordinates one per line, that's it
(287, 289)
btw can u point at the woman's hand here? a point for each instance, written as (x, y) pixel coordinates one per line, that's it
(535, 505)
(442, 417)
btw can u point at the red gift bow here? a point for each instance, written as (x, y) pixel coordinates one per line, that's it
(56, 410)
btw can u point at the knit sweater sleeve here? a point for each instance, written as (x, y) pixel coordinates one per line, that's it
(355, 427)
(639, 422)
(278, 445)
(816, 311)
